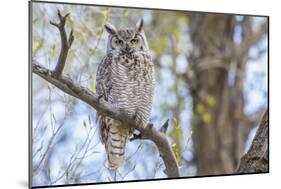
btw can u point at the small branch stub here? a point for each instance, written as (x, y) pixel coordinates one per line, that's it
(164, 127)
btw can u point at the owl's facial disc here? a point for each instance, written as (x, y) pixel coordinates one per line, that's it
(127, 44)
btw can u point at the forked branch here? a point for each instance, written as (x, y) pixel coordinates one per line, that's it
(67, 85)
(65, 43)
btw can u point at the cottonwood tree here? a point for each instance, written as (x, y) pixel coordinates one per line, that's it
(216, 78)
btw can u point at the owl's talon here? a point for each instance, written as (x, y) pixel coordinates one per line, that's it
(135, 137)
(99, 97)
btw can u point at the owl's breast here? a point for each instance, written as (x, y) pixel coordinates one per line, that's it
(133, 67)
(132, 78)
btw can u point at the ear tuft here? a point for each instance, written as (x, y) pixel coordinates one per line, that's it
(110, 29)
(139, 25)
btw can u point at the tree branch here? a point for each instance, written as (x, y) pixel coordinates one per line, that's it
(251, 37)
(65, 43)
(256, 159)
(67, 85)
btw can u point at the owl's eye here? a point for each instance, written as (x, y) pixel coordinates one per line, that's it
(134, 41)
(119, 42)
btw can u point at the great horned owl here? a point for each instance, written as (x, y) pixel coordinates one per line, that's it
(125, 78)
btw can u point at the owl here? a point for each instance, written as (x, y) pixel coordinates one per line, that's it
(125, 78)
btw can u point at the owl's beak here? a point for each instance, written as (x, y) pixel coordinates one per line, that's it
(127, 49)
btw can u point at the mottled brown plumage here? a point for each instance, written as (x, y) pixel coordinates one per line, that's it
(124, 78)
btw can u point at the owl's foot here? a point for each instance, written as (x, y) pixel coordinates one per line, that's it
(102, 96)
(138, 120)
(135, 137)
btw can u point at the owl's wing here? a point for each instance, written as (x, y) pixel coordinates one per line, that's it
(103, 84)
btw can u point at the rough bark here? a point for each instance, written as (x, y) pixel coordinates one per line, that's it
(257, 158)
(215, 79)
(67, 85)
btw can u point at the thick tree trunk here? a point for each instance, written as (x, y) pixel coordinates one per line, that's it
(257, 158)
(217, 65)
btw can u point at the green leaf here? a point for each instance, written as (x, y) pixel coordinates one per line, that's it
(177, 134)
(200, 108)
(66, 172)
(54, 118)
(211, 100)
(92, 85)
(70, 22)
(183, 19)
(126, 12)
(206, 117)
(37, 46)
(49, 171)
(40, 148)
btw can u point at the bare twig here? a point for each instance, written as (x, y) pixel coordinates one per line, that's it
(49, 146)
(250, 37)
(67, 85)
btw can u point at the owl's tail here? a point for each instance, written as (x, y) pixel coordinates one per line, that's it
(115, 140)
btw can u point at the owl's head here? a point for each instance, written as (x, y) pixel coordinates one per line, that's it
(126, 40)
